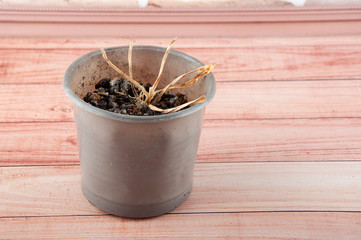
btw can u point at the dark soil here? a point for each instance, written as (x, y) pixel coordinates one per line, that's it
(117, 96)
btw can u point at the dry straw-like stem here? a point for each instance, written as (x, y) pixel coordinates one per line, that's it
(130, 51)
(155, 84)
(204, 70)
(153, 96)
(123, 74)
(175, 109)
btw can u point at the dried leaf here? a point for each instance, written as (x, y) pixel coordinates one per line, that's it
(207, 69)
(130, 51)
(204, 70)
(122, 73)
(175, 109)
(155, 84)
(131, 44)
(146, 97)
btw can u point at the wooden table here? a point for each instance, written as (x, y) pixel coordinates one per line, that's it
(279, 157)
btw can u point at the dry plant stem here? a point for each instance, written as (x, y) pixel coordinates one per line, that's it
(148, 97)
(204, 70)
(155, 84)
(162, 91)
(130, 58)
(175, 109)
(123, 74)
(130, 51)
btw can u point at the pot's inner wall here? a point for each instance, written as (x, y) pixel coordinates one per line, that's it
(146, 64)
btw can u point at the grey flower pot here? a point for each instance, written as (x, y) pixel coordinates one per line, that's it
(136, 166)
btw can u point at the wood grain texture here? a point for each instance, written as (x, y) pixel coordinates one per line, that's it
(38, 144)
(257, 226)
(233, 63)
(286, 99)
(30, 103)
(279, 155)
(191, 23)
(233, 100)
(55, 143)
(280, 140)
(218, 187)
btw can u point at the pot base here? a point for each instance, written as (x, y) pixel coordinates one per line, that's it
(135, 211)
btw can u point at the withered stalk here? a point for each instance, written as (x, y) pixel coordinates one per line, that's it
(153, 96)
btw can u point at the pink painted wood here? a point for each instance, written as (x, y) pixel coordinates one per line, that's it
(186, 22)
(279, 155)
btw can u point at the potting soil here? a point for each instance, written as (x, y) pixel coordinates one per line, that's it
(120, 96)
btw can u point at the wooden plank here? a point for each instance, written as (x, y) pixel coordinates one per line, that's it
(233, 100)
(35, 66)
(221, 141)
(38, 144)
(280, 140)
(90, 43)
(38, 102)
(286, 99)
(153, 22)
(271, 226)
(237, 63)
(218, 187)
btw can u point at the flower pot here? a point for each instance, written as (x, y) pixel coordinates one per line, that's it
(136, 166)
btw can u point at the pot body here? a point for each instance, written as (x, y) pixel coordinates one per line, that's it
(132, 166)
(137, 169)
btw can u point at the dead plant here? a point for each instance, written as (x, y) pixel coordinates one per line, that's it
(154, 95)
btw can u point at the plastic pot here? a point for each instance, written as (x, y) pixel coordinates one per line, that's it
(136, 166)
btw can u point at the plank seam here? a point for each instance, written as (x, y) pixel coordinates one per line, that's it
(209, 119)
(193, 48)
(183, 213)
(225, 81)
(234, 162)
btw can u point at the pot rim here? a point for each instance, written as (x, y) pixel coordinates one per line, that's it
(131, 118)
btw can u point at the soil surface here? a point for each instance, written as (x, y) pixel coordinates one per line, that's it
(118, 95)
